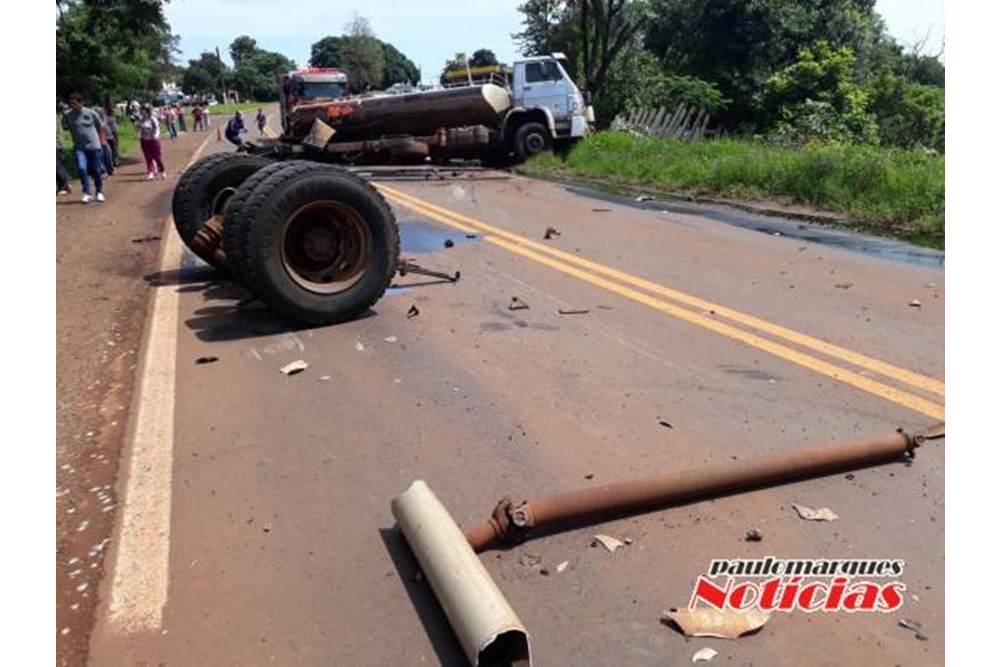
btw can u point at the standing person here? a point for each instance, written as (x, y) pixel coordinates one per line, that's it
(182, 126)
(208, 116)
(170, 121)
(234, 127)
(261, 121)
(149, 139)
(62, 176)
(107, 161)
(196, 113)
(112, 121)
(84, 124)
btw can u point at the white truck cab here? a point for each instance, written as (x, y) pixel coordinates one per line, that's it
(542, 83)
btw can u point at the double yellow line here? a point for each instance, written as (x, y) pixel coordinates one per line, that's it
(628, 286)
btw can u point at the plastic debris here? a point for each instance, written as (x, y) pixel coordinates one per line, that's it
(294, 367)
(608, 542)
(517, 304)
(704, 655)
(809, 514)
(722, 623)
(562, 566)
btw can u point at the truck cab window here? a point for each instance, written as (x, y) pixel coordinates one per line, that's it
(543, 71)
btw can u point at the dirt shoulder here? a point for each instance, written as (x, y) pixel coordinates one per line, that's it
(103, 252)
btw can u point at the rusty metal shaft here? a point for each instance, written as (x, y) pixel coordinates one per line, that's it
(512, 523)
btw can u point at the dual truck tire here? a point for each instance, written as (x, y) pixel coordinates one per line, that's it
(314, 242)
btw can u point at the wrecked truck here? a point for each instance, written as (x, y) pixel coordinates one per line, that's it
(314, 241)
(499, 121)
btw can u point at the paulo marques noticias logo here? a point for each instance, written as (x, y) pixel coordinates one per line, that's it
(810, 585)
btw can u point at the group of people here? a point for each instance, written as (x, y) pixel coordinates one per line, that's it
(95, 139)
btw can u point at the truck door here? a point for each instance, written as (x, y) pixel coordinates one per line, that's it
(544, 86)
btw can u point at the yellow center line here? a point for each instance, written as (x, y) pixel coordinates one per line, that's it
(897, 396)
(916, 380)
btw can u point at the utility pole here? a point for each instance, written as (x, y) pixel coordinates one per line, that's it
(222, 75)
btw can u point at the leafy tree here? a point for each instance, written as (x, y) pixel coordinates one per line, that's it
(483, 58)
(257, 76)
(909, 114)
(117, 48)
(398, 68)
(328, 52)
(336, 51)
(362, 57)
(204, 75)
(606, 27)
(816, 98)
(548, 27)
(242, 47)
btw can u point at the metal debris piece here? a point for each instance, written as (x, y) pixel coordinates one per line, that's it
(323, 378)
(754, 535)
(722, 623)
(809, 514)
(844, 285)
(412, 312)
(562, 566)
(666, 424)
(915, 303)
(601, 210)
(609, 543)
(704, 654)
(517, 304)
(359, 346)
(644, 198)
(551, 232)
(145, 239)
(390, 339)
(578, 311)
(448, 243)
(916, 626)
(295, 367)
(206, 360)
(470, 236)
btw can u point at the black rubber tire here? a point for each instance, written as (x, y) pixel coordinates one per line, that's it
(199, 185)
(530, 140)
(234, 227)
(272, 214)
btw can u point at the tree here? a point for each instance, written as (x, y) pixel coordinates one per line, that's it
(328, 52)
(398, 68)
(117, 48)
(548, 27)
(241, 48)
(606, 27)
(483, 58)
(361, 54)
(258, 76)
(204, 75)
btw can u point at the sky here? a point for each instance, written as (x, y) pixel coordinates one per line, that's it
(428, 32)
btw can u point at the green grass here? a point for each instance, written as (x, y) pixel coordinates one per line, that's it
(887, 190)
(219, 110)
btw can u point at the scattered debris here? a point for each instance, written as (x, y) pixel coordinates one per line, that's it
(551, 232)
(517, 304)
(754, 535)
(704, 654)
(916, 626)
(723, 623)
(589, 475)
(666, 424)
(412, 312)
(206, 360)
(148, 238)
(359, 346)
(608, 542)
(809, 514)
(628, 540)
(470, 236)
(294, 367)
(529, 560)
(601, 210)
(448, 243)
(606, 307)
(390, 339)
(644, 198)
(323, 378)
(844, 285)
(562, 566)
(578, 311)
(915, 303)
(266, 527)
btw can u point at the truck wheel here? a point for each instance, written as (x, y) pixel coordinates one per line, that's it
(530, 140)
(321, 245)
(204, 190)
(234, 227)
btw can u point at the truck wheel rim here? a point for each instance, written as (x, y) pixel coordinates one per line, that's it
(326, 247)
(535, 143)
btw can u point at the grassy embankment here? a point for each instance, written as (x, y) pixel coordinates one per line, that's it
(888, 191)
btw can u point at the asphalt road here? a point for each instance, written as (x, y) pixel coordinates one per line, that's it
(254, 524)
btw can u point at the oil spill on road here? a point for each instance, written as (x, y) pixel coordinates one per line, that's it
(420, 236)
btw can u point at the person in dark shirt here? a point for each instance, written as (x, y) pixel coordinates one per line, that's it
(234, 128)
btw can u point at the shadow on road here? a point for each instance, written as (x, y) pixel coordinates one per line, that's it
(429, 611)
